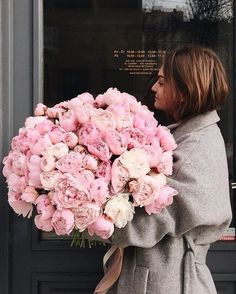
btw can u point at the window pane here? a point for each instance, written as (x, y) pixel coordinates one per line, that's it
(91, 45)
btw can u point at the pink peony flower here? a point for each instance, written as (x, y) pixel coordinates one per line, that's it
(17, 183)
(119, 176)
(89, 162)
(112, 95)
(25, 139)
(47, 162)
(122, 115)
(102, 227)
(18, 205)
(34, 171)
(40, 109)
(31, 136)
(82, 150)
(49, 179)
(167, 141)
(15, 162)
(84, 113)
(100, 101)
(58, 150)
(119, 108)
(99, 149)
(86, 178)
(44, 127)
(134, 137)
(144, 191)
(115, 141)
(53, 112)
(160, 179)
(153, 153)
(44, 206)
(104, 170)
(88, 133)
(7, 162)
(29, 194)
(80, 100)
(17, 146)
(99, 190)
(69, 192)
(70, 163)
(19, 164)
(43, 224)
(70, 139)
(57, 134)
(68, 120)
(85, 215)
(41, 145)
(146, 124)
(32, 121)
(165, 196)
(162, 199)
(166, 164)
(103, 120)
(63, 221)
(134, 105)
(57, 110)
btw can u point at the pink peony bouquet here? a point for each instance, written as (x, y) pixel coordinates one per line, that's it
(86, 163)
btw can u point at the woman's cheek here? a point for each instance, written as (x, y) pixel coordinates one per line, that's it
(157, 104)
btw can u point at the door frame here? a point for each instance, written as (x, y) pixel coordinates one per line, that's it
(21, 61)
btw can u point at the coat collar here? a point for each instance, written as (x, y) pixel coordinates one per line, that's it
(194, 123)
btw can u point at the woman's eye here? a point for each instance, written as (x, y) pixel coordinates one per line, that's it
(160, 83)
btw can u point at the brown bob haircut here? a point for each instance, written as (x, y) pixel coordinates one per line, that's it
(195, 82)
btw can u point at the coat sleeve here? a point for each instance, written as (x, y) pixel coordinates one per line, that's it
(201, 209)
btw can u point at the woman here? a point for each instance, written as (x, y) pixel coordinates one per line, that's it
(166, 253)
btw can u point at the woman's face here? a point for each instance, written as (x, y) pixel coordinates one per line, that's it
(157, 88)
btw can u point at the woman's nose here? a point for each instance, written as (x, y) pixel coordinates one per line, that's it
(154, 87)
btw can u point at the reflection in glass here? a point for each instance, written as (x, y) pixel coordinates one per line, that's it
(91, 45)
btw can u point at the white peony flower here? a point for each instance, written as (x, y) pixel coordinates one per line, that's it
(136, 162)
(112, 95)
(32, 121)
(120, 209)
(49, 179)
(47, 162)
(58, 150)
(159, 178)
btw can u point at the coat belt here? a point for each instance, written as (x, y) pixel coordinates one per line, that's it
(198, 251)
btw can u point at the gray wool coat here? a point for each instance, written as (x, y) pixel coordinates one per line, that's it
(166, 253)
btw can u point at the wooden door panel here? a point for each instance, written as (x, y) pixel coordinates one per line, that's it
(64, 283)
(226, 287)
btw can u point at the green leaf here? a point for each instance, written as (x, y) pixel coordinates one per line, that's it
(82, 240)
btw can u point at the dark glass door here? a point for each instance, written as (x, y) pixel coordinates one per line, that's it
(90, 46)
